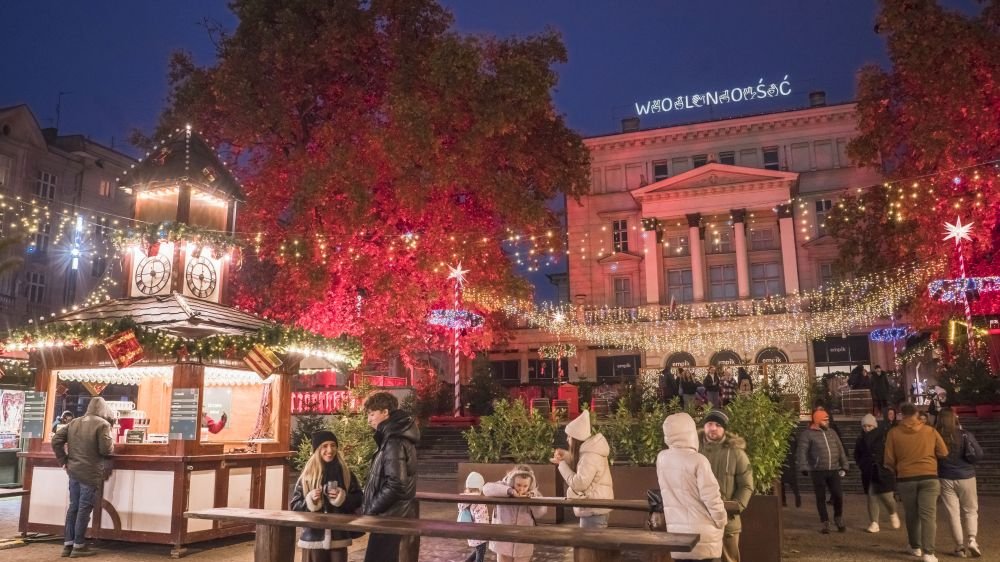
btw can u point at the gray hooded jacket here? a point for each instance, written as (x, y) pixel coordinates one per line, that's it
(83, 444)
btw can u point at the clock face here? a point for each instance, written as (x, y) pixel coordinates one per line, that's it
(152, 274)
(201, 277)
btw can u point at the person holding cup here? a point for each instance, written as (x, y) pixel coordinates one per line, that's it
(325, 486)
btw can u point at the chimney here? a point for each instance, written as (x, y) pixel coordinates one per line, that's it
(630, 124)
(817, 98)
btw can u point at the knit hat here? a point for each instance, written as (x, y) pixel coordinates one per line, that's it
(579, 428)
(323, 436)
(475, 481)
(820, 416)
(868, 420)
(717, 416)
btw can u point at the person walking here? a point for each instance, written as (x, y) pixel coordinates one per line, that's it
(957, 475)
(821, 455)
(692, 500)
(326, 485)
(878, 483)
(392, 478)
(586, 470)
(520, 482)
(726, 453)
(880, 391)
(474, 513)
(81, 447)
(911, 452)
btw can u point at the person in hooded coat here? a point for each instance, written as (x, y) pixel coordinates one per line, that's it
(81, 447)
(878, 482)
(313, 493)
(520, 482)
(586, 470)
(392, 479)
(692, 501)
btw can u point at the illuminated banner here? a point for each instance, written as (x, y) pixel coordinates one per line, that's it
(759, 91)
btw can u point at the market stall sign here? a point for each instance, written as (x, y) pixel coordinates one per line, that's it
(771, 355)
(184, 414)
(124, 349)
(262, 360)
(34, 414)
(758, 91)
(725, 358)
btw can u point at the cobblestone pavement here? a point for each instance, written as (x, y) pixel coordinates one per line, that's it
(802, 541)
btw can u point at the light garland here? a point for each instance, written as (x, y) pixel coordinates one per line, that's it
(557, 350)
(954, 290)
(452, 319)
(888, 334)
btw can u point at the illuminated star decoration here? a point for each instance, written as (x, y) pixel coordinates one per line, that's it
(958, 231)
(458, 274)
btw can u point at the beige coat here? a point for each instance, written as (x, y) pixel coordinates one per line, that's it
(592, 479)
(84, 443)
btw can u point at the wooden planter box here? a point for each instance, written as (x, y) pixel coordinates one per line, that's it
(631, 483)
(550, 483)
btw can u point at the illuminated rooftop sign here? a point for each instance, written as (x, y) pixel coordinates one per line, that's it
(719, 97)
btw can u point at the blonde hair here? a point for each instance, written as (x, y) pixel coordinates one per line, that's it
(312, 472)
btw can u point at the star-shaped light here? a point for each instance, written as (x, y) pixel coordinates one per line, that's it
(958, 231)
(458, 274)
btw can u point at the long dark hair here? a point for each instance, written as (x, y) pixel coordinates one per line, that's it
(947, 426)
(574, 451)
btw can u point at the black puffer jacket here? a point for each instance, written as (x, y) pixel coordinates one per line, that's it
(869, 453)
(324, 538)
(392, 480)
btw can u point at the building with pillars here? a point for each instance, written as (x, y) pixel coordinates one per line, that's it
(702, 213)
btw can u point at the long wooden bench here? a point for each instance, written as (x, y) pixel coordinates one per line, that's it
(275, 537)
(628, 505)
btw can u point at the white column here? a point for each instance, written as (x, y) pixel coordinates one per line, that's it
(651, 259)
(742, 260)
(789, 262)
(697, 257)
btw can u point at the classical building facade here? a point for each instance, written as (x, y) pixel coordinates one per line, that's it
(724, 211)
(61, 199)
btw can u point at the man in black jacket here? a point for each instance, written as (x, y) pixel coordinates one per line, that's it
(392, 479)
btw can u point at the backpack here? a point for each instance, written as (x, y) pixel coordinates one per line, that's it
(465, 515)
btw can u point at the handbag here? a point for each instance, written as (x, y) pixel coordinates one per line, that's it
(465, 515)
(655, 520)
(968, 453)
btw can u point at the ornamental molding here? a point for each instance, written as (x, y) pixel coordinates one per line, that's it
(716, 179)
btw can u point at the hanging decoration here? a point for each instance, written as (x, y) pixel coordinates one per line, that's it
(954, 290)
(456, 320)
(94, 388)
(959, 232)
(123, 348)
(557, 350)
(262, 360)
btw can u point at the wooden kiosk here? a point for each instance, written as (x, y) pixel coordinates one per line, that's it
(200, 423)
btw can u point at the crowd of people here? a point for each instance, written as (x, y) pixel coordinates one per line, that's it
(717, 388)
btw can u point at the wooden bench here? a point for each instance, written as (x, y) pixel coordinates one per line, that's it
(13, 492)
(628, 505)
(275, 537)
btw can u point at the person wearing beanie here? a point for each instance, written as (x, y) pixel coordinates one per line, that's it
(586, 470)
(912, 450)
(474, 513)
(821, 455)
(726, 453)
(879, 483)
(692, 502)
(326, 485)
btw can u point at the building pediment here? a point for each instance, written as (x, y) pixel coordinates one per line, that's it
(716, 177)
(619, 257)
(19, 122)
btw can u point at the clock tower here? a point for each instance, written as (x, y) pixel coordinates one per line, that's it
(185, 208)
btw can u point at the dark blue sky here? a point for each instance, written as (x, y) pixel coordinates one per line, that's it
(111, 56)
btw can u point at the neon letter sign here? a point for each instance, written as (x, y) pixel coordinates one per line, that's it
(718, 97)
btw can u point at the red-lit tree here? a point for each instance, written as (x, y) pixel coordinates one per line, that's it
(931, 123)
(377, 146)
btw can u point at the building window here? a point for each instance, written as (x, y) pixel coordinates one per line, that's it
(721, 242)
(728, 158)
(98, 265)
(661, 170)
(823, 207)
(546, 369)
(620, 368)
(42, 238)
(508, 370)
(623, 291)
(36, 287)
(680, 287)
(619, 234)
(762, 239)
(771, 158)
(765, 280)
(676, 246)
(825, 274)
(100, 234)
(800, 158)
(45, 185)
(105, 189)
(823, 155)
(699, 160)
(722, 282)
(6, 170)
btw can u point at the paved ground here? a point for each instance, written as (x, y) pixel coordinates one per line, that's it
(802, 541)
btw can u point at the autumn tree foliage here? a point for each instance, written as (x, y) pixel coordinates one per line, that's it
(378, 146)
(932, 123)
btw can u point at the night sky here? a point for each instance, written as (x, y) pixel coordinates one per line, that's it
(111, 56)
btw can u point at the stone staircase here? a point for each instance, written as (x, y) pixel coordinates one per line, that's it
(440, 451)
(987, 432)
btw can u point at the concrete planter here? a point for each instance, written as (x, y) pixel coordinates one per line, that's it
(549, 482)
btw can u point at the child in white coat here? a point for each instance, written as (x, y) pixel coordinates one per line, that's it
(519, 483)
(474, 513)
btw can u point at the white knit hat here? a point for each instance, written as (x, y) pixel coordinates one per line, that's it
(579, 428)
(474, 481)
(869, 420)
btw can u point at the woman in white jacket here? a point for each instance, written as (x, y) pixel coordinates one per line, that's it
(692, 502)
(586, 470)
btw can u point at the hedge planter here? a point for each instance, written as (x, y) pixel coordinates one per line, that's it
(550, 484)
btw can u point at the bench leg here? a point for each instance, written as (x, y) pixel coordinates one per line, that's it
(274, 544)
(593, 555)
